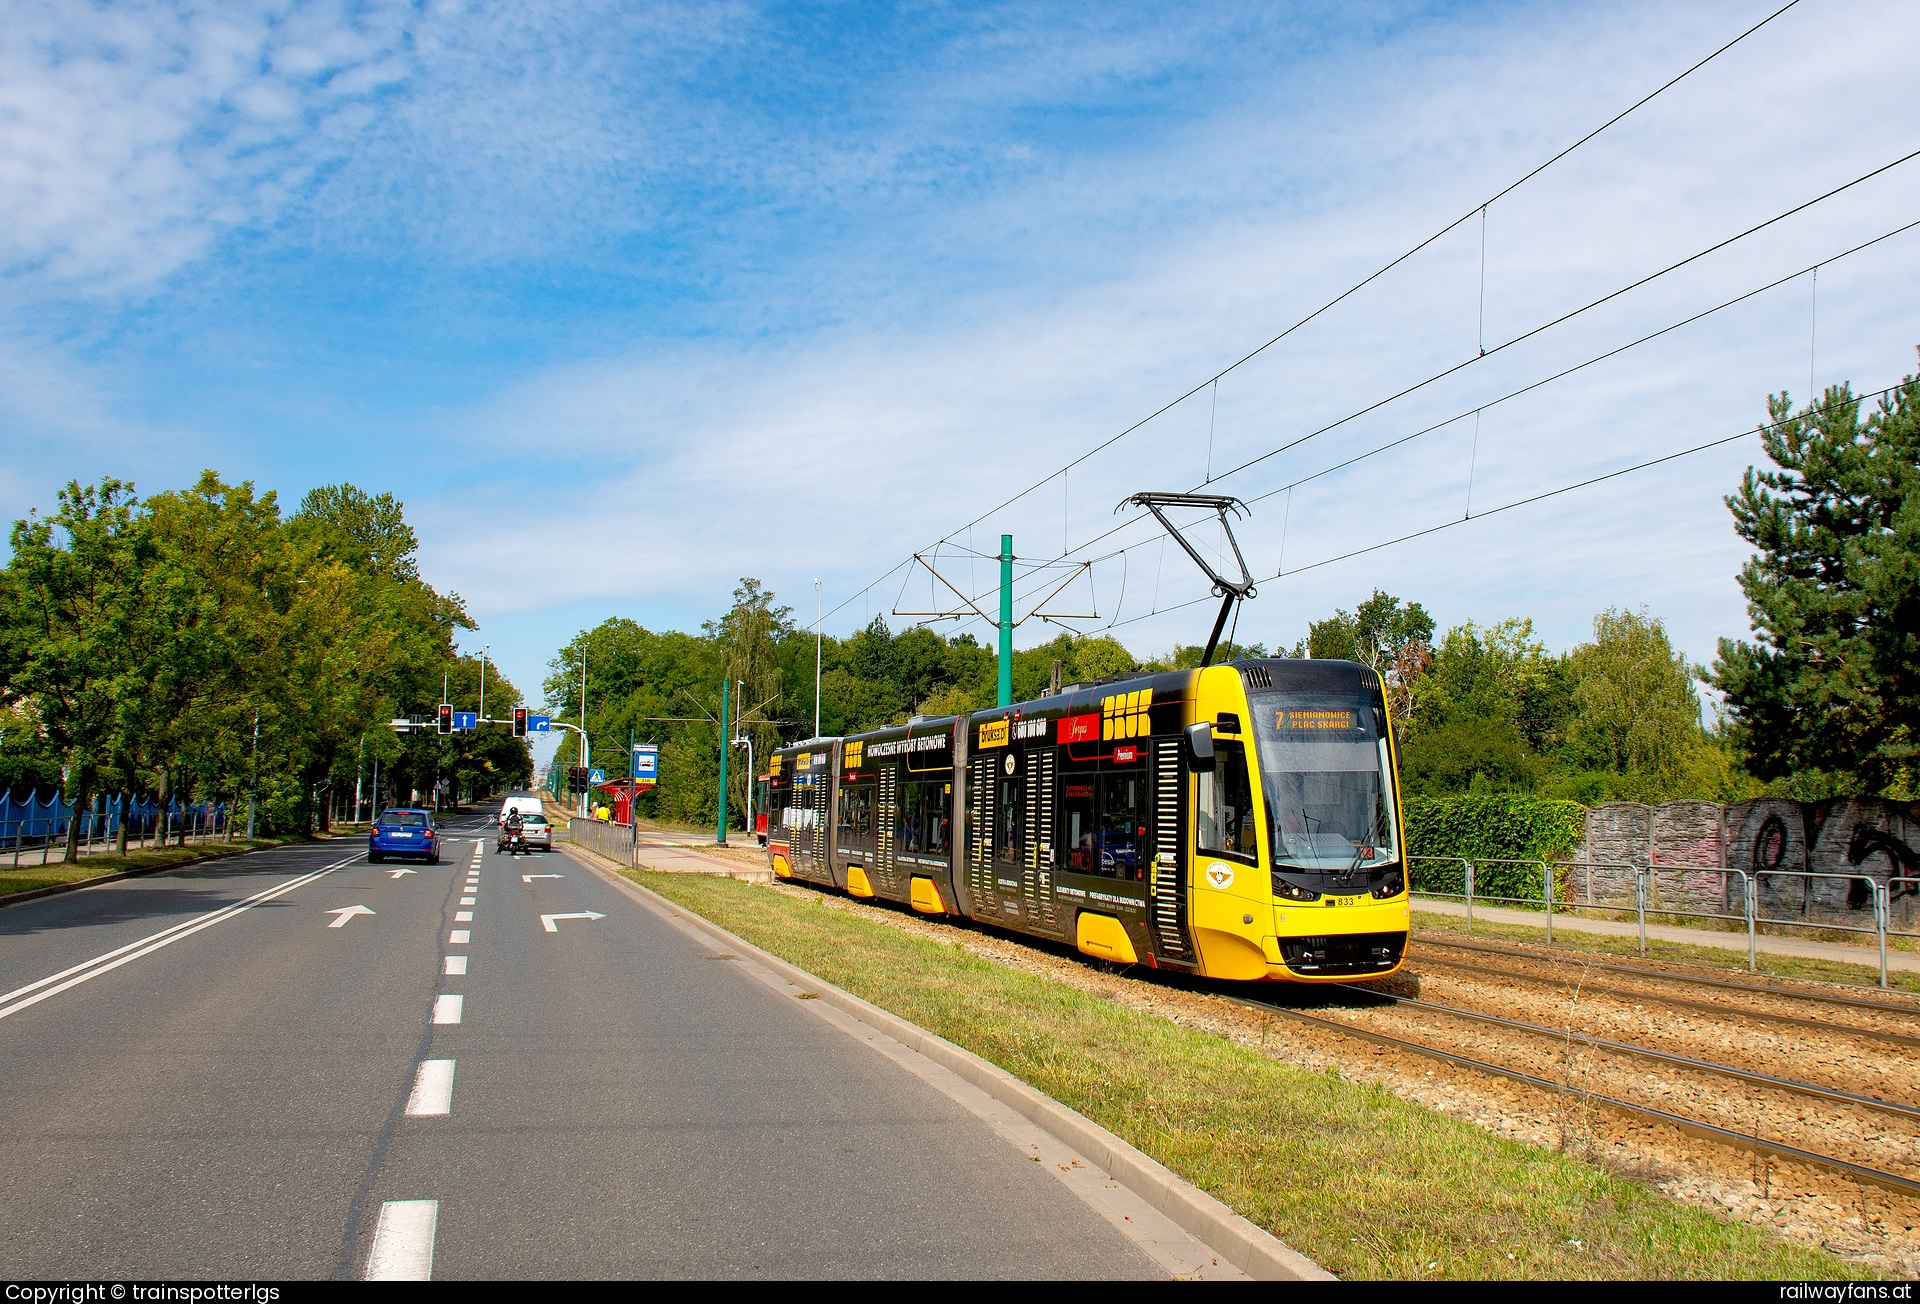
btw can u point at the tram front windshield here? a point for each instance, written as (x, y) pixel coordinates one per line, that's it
(1328, 779)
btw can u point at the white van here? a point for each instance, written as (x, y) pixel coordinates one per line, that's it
(525, 805)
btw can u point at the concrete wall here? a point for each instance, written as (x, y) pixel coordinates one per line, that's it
(1862, 839)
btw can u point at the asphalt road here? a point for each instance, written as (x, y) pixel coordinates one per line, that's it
(202, 1076)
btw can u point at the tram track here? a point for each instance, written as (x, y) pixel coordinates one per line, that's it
(1790, 1085)
(1428, 962)
(1909, 1010)
(1677, 1125)
(1693, 1127)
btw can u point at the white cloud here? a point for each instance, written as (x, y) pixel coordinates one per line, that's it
(845, 451)
(921, 284)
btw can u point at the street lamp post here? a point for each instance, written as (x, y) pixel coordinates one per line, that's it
(753, 776)
(483, 681)
(585, 760)
(253, 787)
(819, 604)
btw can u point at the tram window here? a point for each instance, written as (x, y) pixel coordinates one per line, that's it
(1122, 835)
(856, 814)
(1078, 821)
(926, 814)
(1009, 833)
(1225, 823)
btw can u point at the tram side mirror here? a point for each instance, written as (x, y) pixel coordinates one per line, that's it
(1200, 747)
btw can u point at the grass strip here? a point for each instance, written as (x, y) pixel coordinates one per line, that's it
(1367, 1184)
(29, 877)
(1710, 957)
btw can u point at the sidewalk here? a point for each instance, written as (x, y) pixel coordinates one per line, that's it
(668, 851)
(1867, 956)
(679, 858)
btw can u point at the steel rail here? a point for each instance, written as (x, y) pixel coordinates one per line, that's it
(1759, 989)
(1689, 1126)
(1793, 1085)
(1682, 1002)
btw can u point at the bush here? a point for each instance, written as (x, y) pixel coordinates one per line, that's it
(1502, 827)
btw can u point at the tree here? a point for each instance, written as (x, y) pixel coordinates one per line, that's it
(1394, 639)
(1828, 695)
(1635, 711)
(1482, 719)
(71, 611)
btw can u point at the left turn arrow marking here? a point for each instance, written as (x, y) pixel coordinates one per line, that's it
(345, 913)
(396, 873)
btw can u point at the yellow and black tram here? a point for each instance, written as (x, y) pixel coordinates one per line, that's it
(1240, 821)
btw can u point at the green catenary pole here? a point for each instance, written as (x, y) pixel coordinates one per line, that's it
(720, 825)
(1006, 620)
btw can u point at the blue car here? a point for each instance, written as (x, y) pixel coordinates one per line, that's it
(404, 833)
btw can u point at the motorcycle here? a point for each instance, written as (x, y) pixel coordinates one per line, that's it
(513, 842)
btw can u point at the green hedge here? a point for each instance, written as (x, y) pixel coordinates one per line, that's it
(1481, 829)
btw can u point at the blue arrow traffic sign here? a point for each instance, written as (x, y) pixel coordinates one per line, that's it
(539, 724)
(466, 721)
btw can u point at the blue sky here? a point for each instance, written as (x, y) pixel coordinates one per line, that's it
(627, 301)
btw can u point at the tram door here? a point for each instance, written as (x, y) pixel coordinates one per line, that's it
(808, 814)
(1009, 834)
(1023, 837)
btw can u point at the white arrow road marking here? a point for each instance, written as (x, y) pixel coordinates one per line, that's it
(346, 913)
(403, 1241)
(432, 1093)
(100, 964)
(551, 924)
(396, 873)
(528, 878)
(448, 1009)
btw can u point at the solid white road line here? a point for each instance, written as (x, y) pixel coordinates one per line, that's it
(403, 1241)
(432, 1094)
(100, 964)
(456, 964)
(463, 916)
(459, 937)
(448, 1009)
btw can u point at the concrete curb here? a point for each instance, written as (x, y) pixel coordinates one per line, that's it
(1248, 1247)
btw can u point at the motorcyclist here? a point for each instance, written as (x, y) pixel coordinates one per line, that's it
(511, 835)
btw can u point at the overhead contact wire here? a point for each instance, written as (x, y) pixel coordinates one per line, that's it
(1357, 286)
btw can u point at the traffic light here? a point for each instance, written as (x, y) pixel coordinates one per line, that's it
(446, 718)
(577, 778)
(519, 722)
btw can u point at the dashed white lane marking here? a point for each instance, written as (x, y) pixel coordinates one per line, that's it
(100, 964)
(448, 1009)
(459, 937)
(432, 1094)
(466, 901)
(403, 1241)
(463, 916)
(456, 964)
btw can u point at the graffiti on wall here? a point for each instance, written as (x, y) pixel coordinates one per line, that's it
(1809, 860)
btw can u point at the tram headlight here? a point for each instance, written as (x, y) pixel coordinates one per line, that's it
(1293, 891)
(1392, 886)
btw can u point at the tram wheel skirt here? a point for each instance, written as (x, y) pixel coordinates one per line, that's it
(1105, 937)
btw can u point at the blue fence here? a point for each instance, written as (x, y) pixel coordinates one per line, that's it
(35, 821)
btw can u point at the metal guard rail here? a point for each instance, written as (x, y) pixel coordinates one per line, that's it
(1646, 876)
